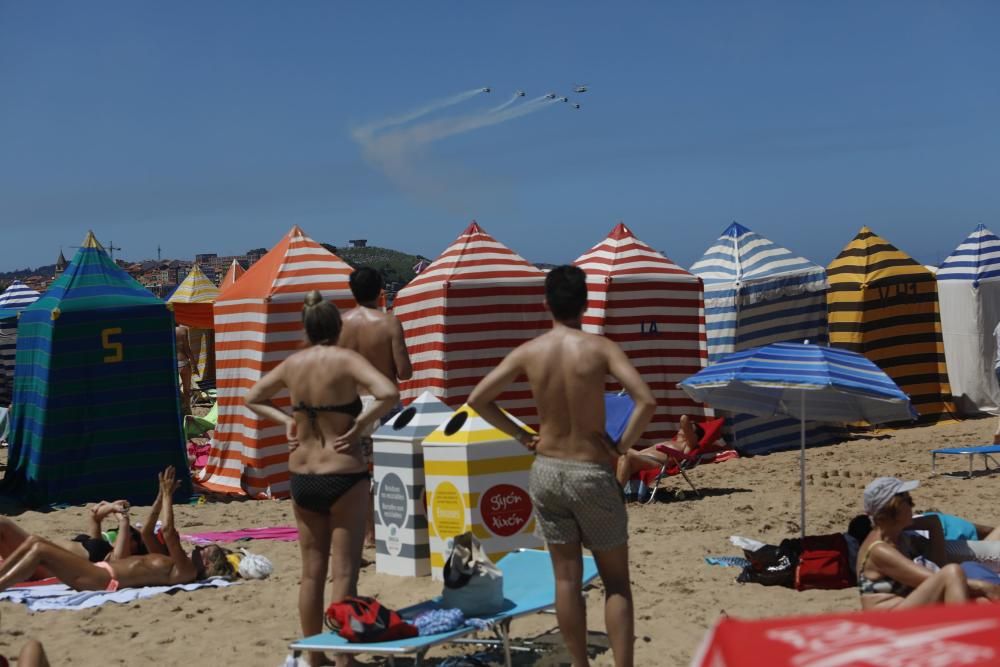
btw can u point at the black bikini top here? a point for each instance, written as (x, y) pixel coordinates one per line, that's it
(352, 409)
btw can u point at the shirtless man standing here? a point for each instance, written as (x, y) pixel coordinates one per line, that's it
(378, 337)
(184, 360)
(572, 484)
(153, 569)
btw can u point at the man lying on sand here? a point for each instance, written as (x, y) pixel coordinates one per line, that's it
(153, 569)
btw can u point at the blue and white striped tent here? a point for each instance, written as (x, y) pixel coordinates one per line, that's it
(756, 293)
(13, 300)
(969, 298)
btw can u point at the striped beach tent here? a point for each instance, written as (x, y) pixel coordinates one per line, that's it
(655, 311)
(13, 300)
(258, 323)
(969, 294)
(757, 293)
(192, 303)
(475, 303)
(884, 305)
(232, 275)
(96, 412)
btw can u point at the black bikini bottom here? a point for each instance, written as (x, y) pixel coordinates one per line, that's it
(318, 493)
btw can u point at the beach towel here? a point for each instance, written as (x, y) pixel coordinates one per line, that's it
(728, 561)
(48, 597)
(277, 533)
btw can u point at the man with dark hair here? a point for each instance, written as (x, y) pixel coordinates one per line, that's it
(378, 337)
(576, 498)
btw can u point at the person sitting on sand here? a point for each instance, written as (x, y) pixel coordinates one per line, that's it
(687, 440)
(887, 579)
(152, 569)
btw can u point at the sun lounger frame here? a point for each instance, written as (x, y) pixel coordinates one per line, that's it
(971, 452)
(417, 647)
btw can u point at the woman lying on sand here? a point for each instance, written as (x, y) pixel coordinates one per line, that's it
(887, 579)
(153, 569)
(330, 484)
(92, 544)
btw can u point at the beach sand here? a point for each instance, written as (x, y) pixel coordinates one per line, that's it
(677, 595)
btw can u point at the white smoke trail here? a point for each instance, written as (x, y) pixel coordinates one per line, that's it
(395, 152)
(506, 104)
(371, 128)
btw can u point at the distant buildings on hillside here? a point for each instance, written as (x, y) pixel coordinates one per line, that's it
(160, 277)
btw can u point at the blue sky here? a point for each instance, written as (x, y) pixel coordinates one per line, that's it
(215, 126)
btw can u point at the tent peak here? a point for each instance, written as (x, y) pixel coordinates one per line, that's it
(735, 229)
(621, 232)
(473, 228)
(90, 242)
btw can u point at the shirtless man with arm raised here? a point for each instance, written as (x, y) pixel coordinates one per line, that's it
(572, 486)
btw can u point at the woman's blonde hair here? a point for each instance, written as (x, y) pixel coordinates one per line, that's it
(321, 319)
(892, 509)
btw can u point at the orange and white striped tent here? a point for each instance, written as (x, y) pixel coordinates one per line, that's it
(232, 275)
(258, 323)
(475, 303)
(655, 311)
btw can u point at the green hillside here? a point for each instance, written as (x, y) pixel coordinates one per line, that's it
(396, 267)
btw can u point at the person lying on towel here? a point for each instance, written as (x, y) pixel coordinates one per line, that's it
(687, 440)
(174, 566)
(887, 578)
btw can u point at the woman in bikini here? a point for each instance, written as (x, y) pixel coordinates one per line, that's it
(887, 579)
(686, 441)
(329, 477)
(173, 566)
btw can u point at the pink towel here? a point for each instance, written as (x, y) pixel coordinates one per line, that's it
(277, 533)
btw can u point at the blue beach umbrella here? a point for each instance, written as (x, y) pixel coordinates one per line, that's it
(804, 381)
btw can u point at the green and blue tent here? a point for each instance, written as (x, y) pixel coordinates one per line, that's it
(96, 410)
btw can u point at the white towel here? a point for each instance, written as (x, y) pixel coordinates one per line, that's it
(61, 596)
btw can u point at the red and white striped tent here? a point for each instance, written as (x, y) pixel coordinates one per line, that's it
(475, 303)
(258, 323)
(655, 311)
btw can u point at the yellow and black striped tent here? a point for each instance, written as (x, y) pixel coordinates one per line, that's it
(884, 305)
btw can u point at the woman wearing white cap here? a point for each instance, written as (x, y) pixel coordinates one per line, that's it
(887, 579)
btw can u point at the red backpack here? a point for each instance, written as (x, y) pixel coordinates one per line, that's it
(823, 563)
(360, 619)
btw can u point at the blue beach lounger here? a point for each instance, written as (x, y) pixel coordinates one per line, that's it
(528, 587)
(971, 452)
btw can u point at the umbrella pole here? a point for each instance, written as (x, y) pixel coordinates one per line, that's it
(802, 465)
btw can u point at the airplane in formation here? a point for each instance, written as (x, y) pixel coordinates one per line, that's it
(579, 89)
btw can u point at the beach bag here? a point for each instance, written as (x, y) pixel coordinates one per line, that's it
(361, 619)
(769, 566)
(823, 563)
(472, 582)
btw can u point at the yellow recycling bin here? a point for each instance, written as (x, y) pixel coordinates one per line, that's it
(401, 544)
(477, 479)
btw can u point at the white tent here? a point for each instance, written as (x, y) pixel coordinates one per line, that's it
(969, 296)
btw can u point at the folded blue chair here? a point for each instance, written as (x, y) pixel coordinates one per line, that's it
(971, 452)
(528, 587)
